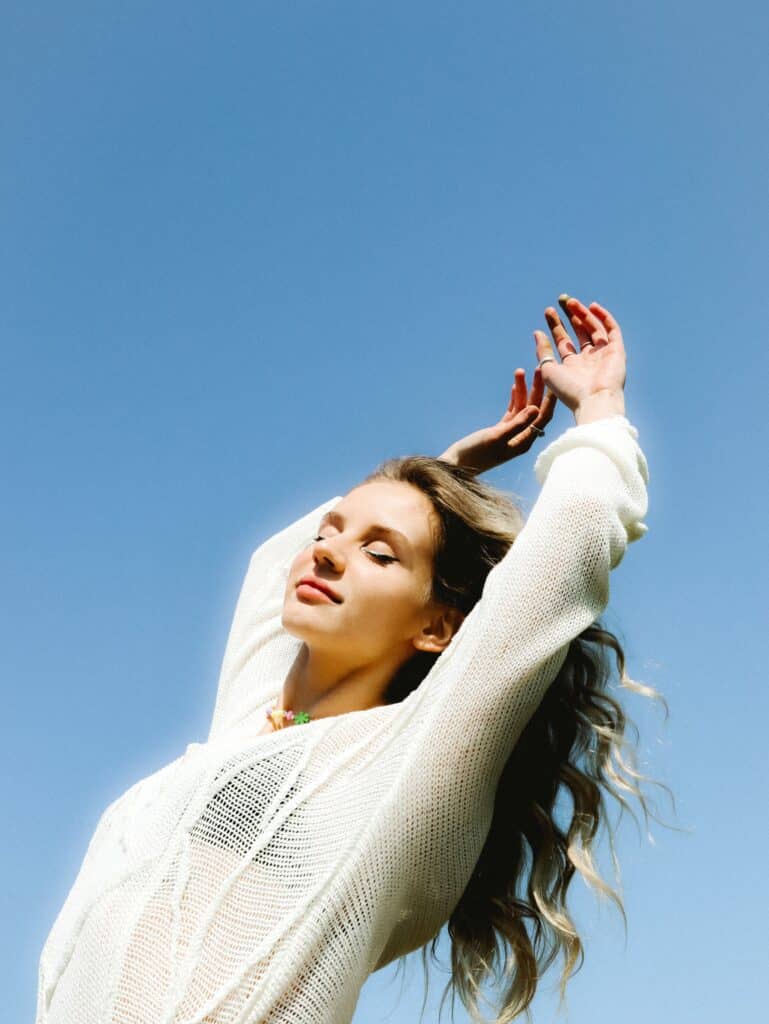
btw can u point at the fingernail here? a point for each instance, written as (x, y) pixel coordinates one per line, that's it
(563, 298)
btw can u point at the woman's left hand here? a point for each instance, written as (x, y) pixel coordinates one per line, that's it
(513, 435)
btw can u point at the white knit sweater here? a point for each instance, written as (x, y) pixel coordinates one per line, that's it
(263, 878)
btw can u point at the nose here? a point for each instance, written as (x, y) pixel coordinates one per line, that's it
(324, 553)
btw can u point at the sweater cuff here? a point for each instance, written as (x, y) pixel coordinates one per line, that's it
(616, 437)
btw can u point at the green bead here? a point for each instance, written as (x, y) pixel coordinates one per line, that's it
(301, 717)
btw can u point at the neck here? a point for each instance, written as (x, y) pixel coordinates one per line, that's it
(316, 684)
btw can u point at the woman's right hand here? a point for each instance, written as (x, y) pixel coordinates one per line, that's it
(591, 379)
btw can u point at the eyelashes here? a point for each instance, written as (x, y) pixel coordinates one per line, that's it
(381, 558)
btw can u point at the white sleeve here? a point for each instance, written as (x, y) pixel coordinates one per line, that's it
(551, 584)
(257, 643)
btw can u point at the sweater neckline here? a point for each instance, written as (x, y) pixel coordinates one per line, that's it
(311, 727)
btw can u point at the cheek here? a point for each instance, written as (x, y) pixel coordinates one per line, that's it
(398, 603)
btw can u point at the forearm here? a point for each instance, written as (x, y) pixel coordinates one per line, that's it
(450, 455)
(551, 584)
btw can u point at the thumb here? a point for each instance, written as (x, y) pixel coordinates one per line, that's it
(524, 419)
(544, 348)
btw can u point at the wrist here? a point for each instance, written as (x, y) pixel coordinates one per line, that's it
(600, 405)
(457, 457)
(450, 455)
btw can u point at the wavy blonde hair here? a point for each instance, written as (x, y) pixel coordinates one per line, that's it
(575, 742)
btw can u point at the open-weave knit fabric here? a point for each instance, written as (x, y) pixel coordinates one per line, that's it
(263, 878)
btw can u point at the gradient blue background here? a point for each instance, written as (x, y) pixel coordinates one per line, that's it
(249, 250)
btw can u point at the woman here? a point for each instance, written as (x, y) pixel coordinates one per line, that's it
(408, 680)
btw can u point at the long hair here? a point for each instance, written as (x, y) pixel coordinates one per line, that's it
(574, 743)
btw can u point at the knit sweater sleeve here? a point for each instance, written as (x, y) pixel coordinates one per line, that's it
(552, 583)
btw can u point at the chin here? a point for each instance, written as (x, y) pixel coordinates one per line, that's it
(296, 625)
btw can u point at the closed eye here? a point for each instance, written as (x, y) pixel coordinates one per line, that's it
(381, 558)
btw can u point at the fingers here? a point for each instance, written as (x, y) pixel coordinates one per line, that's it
(543, 346)
(610, 324)
(538, 405)
(520, 388)
(546, 408)
(589, 323)
(537, 387)
(560, 334)
(579, 328)
(518, 392)
(543, 398)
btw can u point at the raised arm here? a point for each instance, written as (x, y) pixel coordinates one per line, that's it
(551, 585)
(554, 581)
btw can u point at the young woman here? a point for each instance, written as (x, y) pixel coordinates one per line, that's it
(412, 677)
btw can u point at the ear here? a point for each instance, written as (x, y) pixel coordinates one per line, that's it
(438, 632)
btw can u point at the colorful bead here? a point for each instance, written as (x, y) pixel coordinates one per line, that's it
(277, 716)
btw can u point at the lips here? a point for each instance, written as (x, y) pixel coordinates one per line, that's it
(313, 581)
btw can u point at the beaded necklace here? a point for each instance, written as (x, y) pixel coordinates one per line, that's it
(280, 716)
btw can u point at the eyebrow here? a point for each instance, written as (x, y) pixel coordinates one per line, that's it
(337, 519)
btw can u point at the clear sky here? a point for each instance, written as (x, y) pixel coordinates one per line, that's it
(249, 250)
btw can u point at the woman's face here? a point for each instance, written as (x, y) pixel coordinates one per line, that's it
(382, 579)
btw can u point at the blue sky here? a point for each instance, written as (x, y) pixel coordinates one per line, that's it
(247, 251)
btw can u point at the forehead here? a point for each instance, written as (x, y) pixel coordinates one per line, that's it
(390, 504)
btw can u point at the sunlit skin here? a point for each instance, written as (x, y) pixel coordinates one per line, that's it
(352, 649)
